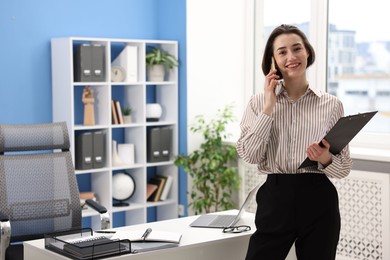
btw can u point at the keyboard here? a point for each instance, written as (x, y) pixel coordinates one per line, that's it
(222, 221)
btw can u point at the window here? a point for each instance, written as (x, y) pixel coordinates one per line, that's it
(352, 54)
(363, 67)
(272, 13)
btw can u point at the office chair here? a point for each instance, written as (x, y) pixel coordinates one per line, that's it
(38, 187)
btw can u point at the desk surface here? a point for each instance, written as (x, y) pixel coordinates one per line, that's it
(195, 244)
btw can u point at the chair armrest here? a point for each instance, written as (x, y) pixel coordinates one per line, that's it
(105, 221)
(3, 217)
(5, 235)
(96, 206)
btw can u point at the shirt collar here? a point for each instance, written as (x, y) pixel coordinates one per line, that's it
(311, 89)
(317, 92)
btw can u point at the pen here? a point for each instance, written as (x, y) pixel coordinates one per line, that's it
(146, 234)
(105, 232)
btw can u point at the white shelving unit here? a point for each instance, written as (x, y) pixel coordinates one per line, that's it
(67, 106)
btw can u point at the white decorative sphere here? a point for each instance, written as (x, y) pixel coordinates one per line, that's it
(153, 111)
(123, 186)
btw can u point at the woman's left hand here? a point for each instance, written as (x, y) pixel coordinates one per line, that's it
(320, 153)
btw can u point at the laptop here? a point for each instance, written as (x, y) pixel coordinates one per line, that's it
(221, 220)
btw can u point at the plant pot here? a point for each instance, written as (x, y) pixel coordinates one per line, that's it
(127, 119)
(156, 72)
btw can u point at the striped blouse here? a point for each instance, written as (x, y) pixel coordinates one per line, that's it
(278, 143)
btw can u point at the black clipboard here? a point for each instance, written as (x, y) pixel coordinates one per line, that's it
(342, 133)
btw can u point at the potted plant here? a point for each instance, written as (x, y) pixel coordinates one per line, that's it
(214, 178)
(158, 62)
(127, 115)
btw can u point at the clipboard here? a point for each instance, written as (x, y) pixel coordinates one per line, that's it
(345, 129)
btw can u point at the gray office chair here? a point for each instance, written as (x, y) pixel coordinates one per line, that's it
(38, 187)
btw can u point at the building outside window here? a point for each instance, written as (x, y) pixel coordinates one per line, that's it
(361, 75)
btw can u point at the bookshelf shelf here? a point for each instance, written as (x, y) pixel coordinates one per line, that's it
(135, 93)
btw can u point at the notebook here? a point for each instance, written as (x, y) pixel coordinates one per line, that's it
(221, 220)
(153, 236)
(155, 239)
(93, 247)
(342, 133)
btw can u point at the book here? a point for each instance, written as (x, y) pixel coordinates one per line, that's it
(93, 246)
(138, 247)
(150, 189)
(114, 113)
(167, 188)
(119, 112)
(153, 236)
(160, 185)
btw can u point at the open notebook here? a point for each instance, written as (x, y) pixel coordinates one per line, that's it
(221, 220)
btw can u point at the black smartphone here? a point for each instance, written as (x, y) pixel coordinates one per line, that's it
(279, 85)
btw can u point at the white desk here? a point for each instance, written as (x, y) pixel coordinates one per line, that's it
(195, 244)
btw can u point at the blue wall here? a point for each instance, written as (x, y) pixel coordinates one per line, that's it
(27, 26)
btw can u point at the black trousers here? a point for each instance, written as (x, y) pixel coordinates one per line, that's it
(300, 208)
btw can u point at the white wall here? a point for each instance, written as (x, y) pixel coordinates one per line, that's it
(216, 49)
(219, 61)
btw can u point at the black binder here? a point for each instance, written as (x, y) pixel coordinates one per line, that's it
(98, 149)
(90, 150)
(159, 143)
(83, 64)
(89, 63)
(342, 133)
(84, 151)
(97, 62)
(166, 143)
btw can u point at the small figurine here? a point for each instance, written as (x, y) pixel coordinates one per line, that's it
(88, 100)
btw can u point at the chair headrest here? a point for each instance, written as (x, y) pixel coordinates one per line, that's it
(33, 137)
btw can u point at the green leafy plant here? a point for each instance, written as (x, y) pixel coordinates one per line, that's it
(156, 56)
(214, 178)
(127, 111)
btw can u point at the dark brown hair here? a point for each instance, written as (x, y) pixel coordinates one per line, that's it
(269, 47)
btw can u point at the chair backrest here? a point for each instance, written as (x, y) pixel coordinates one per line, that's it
(38, 186)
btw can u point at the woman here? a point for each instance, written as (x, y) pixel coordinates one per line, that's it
(279, 129)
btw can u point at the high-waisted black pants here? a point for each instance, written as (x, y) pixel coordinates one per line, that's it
(300, 208)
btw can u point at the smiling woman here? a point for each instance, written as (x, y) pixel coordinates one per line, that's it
(275, 135)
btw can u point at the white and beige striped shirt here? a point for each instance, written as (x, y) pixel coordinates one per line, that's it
(278, 143)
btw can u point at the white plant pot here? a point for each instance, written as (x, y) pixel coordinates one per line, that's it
(127, 119)
(156, 72)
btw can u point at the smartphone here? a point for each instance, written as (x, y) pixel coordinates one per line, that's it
(273, 67)
(279, 85)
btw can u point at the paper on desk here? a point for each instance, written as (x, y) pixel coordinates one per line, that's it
(154, 236)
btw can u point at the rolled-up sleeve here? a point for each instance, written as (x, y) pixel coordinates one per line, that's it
(255, 131)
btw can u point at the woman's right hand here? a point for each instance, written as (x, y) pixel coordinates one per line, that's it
(271, 81)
